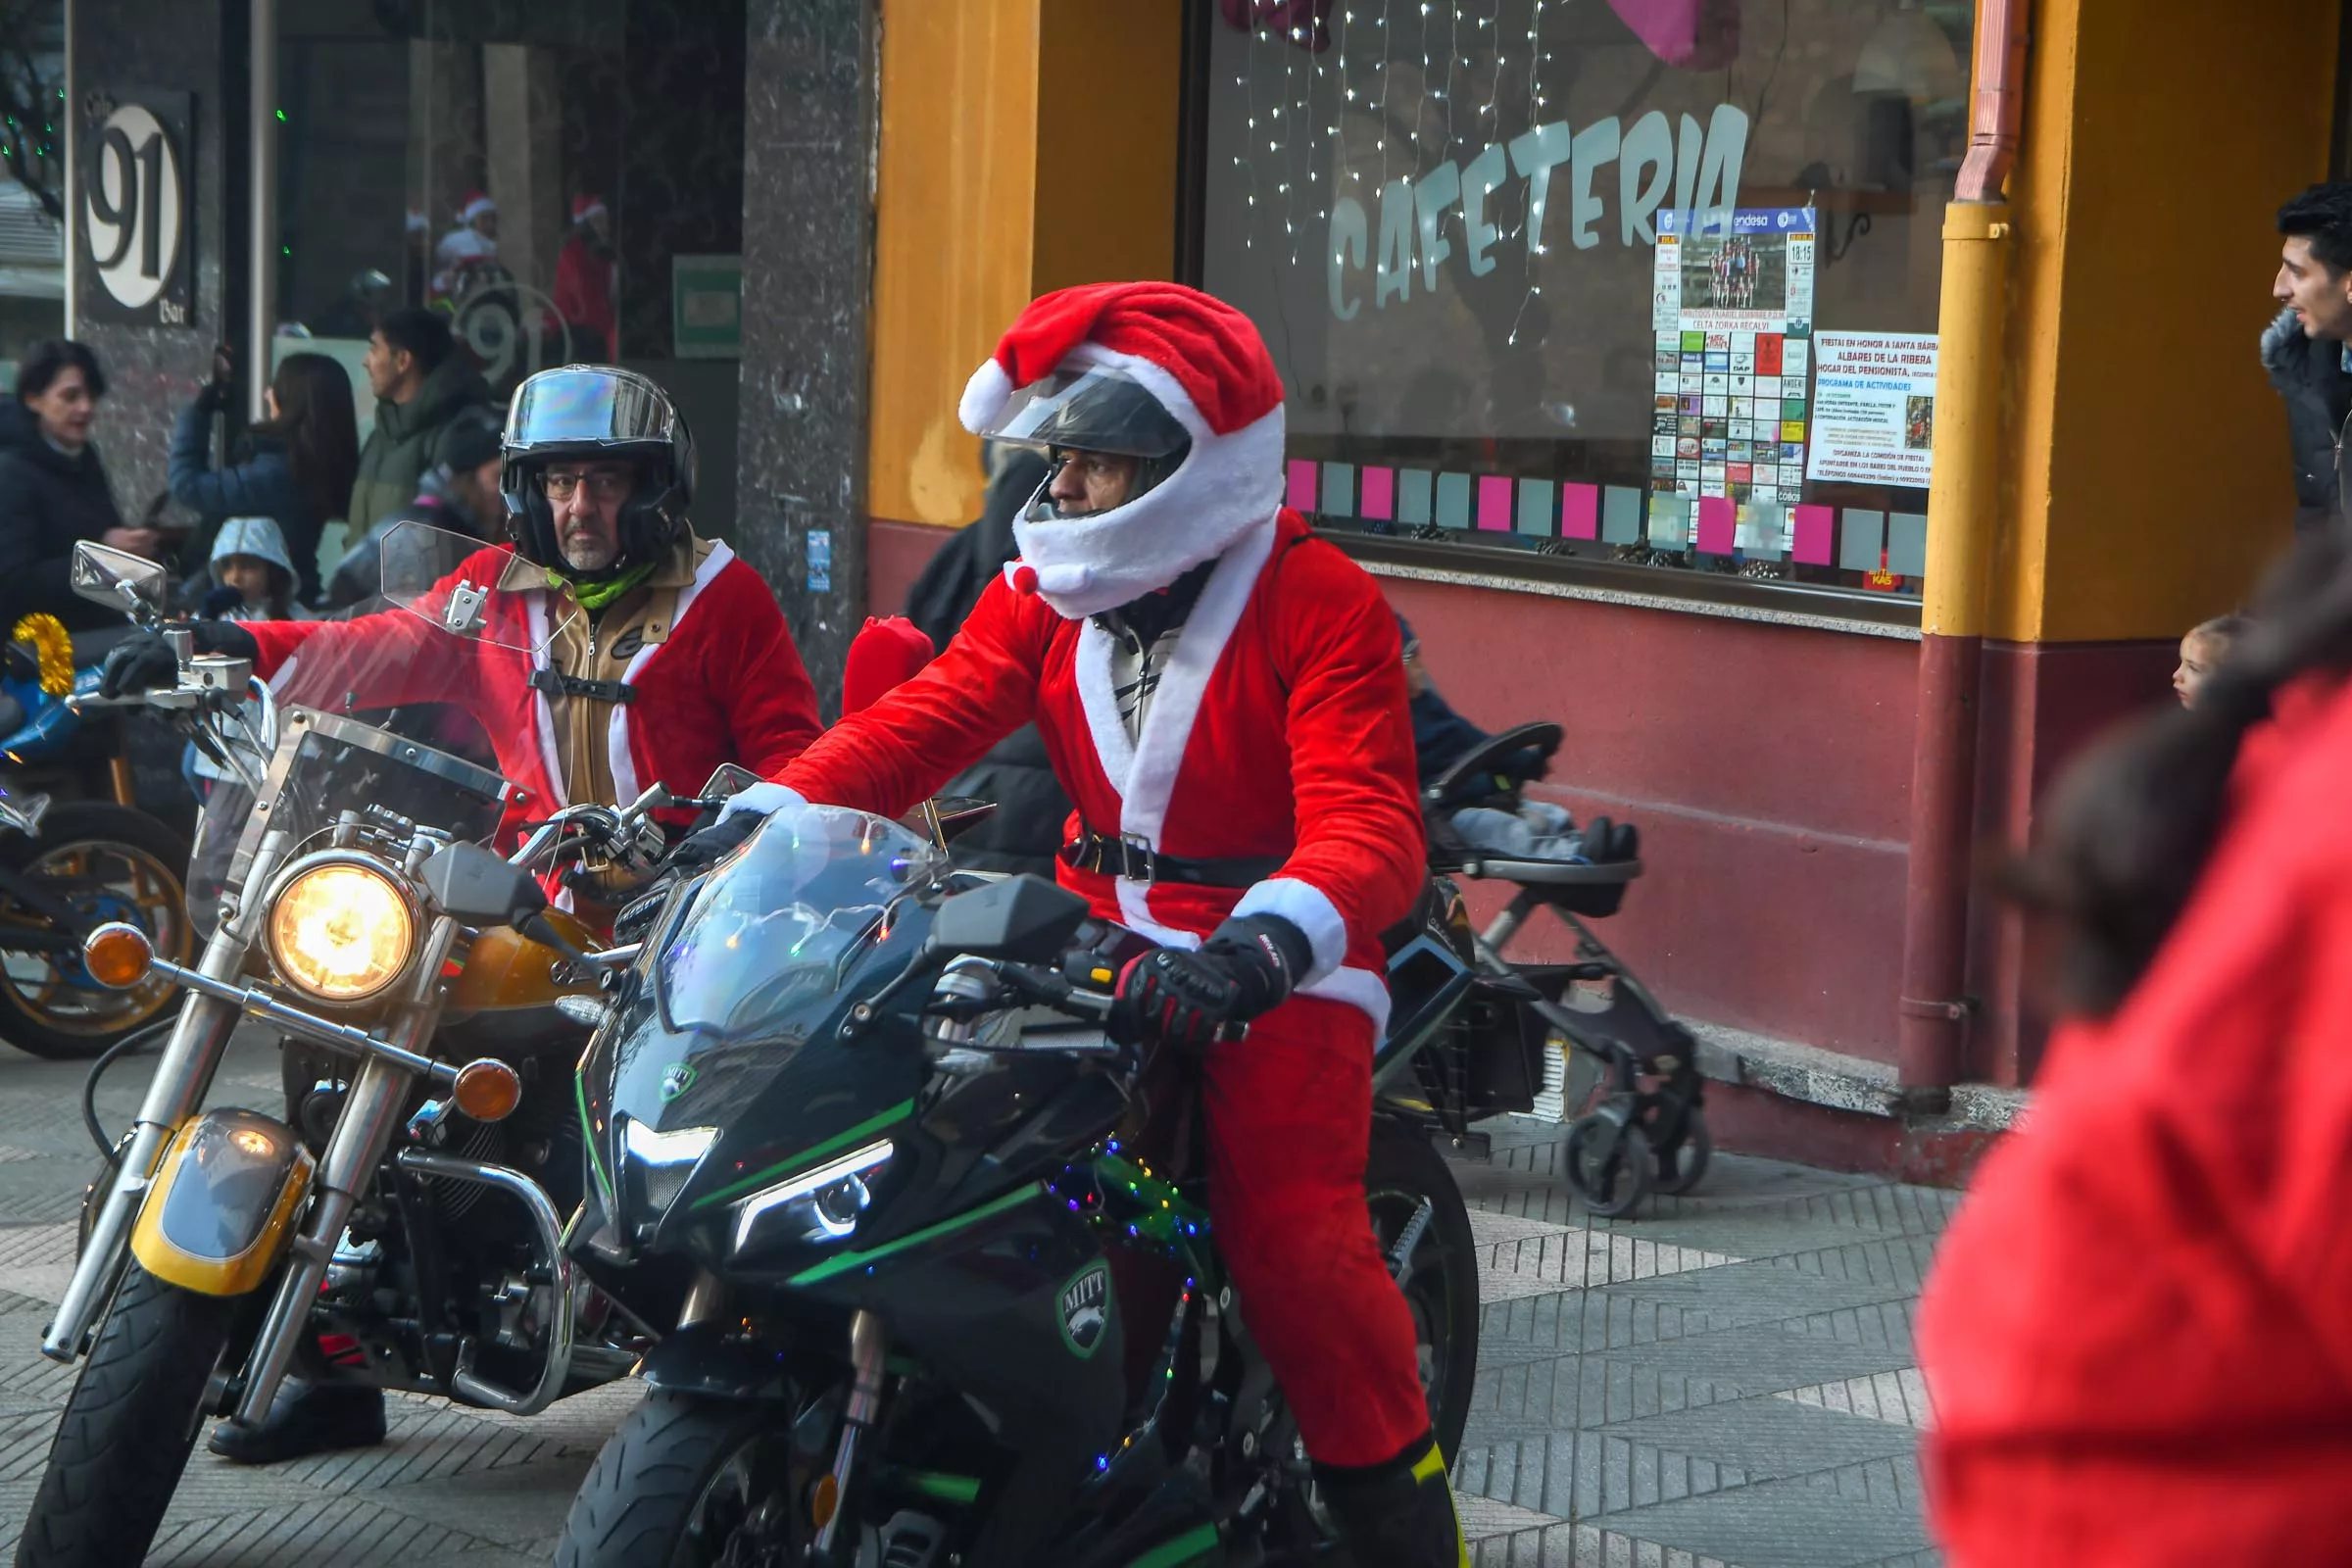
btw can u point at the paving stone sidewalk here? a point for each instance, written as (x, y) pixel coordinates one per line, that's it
(1726, 1380)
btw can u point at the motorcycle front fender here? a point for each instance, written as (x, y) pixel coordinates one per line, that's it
(702, 1359)
(221, 1209)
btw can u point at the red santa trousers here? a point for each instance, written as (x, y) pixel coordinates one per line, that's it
(1290, 1121)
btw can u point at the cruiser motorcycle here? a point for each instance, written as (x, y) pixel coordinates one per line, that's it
(398, 1224)
(946, 1285)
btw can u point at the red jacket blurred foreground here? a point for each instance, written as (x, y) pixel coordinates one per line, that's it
(2138, 1334)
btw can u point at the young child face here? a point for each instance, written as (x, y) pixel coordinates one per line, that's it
(2198, 656)
(249, 575)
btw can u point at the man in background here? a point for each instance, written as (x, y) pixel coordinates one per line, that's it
(2304, 348)
(421, 387)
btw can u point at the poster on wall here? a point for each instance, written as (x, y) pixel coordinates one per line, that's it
(137, 206)
(1874, 408)
(1731, 308)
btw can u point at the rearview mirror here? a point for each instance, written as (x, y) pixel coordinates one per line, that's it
(117, 579)
(731, 780)
(1025, 918)
(479, 888)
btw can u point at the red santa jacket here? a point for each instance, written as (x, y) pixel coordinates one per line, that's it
(2138, 1334)
(724, 684)
(1279, 731)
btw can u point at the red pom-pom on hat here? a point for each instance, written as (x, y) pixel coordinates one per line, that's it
(1195, 352)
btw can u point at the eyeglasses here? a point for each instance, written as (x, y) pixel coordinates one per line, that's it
(559, 484)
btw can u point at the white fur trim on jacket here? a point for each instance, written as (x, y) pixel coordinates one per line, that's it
(762, 799)
(1307, 906)
(984, 397)
(543, 715)
(617, 733)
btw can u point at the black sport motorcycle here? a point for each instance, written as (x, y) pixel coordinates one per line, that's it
(868, 1122)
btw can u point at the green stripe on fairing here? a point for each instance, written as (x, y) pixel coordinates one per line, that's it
(1197, 1545)
(596, 1148)
(963, 1490)
(807, 1157)
(854, 1260)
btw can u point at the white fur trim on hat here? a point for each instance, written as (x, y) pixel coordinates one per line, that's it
(984, 397)
(475, 205)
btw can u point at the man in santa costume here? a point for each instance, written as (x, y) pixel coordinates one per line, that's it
(1223, 697)
(588, 280)
(614, 649)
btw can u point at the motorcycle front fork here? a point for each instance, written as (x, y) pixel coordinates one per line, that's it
(364, 1130)
(867, 1348)
(182, 1080)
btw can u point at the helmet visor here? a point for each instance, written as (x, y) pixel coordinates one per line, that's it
(1090, 409)
(589, 405)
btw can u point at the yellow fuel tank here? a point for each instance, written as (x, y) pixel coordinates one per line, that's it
(506, 970)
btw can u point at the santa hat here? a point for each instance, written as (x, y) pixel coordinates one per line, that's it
(1205, 364)
(475, 205)
(584, 206)
(1198, 355)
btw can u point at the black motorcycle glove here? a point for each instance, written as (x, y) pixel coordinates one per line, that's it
(1247, 968)
(144, 660)
(706, 846)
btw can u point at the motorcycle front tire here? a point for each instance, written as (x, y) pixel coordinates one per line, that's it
(646, 1502)
(1441, 1284)
(130, 1426)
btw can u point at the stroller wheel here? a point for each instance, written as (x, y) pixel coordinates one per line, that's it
(1610, 1164)
(1681, 1170)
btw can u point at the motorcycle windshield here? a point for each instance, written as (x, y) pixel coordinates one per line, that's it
(373, 716)
(768, 938)
(464, 589)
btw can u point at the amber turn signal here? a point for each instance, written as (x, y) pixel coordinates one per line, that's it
(118, 954)
(488, 1090)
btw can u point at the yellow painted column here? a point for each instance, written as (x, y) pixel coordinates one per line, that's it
(2146, 479)
(1025, 145)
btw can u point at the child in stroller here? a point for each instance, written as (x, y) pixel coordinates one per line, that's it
(1613, 1059)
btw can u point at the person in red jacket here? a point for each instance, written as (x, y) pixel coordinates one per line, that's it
(2138, 1333)
(1223, 697)
(620, 650)
(614, 649)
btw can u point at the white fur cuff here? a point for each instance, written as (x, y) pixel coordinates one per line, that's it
(984, 397)
(1306, 906)
(761, 800)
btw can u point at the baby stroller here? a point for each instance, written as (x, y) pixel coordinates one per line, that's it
(1595, 1050)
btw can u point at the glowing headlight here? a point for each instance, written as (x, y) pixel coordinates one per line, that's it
(341, 931)
(819, 1206)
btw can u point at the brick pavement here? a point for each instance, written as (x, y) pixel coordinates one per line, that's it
(1726, 1380)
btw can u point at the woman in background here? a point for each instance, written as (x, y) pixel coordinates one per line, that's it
(303, 459)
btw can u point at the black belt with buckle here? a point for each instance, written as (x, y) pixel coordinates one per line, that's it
(601, 691)
(1137, 862)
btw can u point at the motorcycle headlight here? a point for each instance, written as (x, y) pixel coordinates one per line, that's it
(660, 1163)
(340, 930)
(819, 1206)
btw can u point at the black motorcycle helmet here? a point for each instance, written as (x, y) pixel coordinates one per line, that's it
(590, 413)
(1097, 409)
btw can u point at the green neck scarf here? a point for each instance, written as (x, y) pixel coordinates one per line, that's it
(594, 596)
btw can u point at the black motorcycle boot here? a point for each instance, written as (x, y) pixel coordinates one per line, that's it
(1396, 1515)
(305, 1418)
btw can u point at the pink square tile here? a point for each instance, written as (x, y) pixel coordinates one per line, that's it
(1494, 503)
(1302, 474)
(1580, 512)
(1379, 498)
(1716, 525)
(1814, 525)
